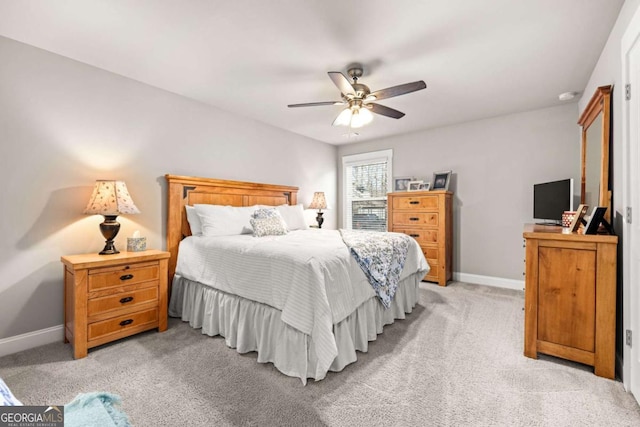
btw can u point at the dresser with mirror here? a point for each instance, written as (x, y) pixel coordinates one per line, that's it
(570, 277)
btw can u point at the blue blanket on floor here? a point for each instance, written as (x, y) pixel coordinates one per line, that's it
(95, 409)
(6, 397)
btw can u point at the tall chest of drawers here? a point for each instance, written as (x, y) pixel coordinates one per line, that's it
(108, 297)
(427, 217)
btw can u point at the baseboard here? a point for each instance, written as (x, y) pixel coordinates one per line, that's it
(31, 340)
(497, 282)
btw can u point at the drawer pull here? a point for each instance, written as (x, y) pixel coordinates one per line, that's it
(414, 235)
(414, 202)
(126, 277)
(126, 299)
(126, 322)
(414, 219)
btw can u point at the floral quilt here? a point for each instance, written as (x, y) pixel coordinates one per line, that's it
(381, 257)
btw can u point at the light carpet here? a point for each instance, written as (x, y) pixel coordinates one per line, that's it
(456, 360)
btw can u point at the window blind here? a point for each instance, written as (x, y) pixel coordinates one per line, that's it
(367, 180)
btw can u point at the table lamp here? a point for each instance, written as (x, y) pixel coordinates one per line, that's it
(319, 202)
(110, 199)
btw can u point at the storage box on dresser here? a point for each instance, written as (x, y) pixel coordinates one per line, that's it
(108, 297)
(570, 297)
(427, 217)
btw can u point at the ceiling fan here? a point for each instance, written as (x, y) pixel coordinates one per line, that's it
(359, 100)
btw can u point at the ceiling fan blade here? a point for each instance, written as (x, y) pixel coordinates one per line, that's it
(316, 104)
(342, 83)
(386, 111)
(390, 92)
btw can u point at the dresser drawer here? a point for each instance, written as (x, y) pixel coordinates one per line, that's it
(415, 202)
(102, 278)
(423, 237)
(120, 324)
(429, 219)
(431, 254)
(134, 298)
(433, 275)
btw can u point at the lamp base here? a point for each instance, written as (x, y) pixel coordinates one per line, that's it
(109, 229)
(109, 249)
(320, 219)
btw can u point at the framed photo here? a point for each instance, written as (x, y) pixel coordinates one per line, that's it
(415, 185)
(597, 217)
(441, 180)
(578, 218)
(401, 183)
(426, 186)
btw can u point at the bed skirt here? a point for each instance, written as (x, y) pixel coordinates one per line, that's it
(251, 326)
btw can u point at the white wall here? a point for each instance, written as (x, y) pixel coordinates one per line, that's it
(608, 71)
(495, 163)
(64, 124)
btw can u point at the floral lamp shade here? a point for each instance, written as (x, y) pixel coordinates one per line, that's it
(319, 201)
(110, 199)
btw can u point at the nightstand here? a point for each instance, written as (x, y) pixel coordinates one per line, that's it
(108, 297)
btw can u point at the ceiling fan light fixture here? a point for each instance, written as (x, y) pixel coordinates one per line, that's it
(365, 115)
(344, 118)
(356, 120)
(360, 117)
(359, 99)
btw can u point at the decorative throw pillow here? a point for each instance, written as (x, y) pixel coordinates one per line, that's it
(293, 216)
(267, 222)
(265, 213)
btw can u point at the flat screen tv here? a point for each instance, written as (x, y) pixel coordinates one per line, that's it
(551, 199)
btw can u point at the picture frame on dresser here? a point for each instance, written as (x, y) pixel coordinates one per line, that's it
(401, 183)
(425, 186)
(578, 218)
(596, 219)
(414, 185)
(441, 180)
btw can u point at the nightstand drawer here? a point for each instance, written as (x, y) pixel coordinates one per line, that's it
(134, 298)
(415, 218)
(421, 236)
(120, 324)
(415, 202)
(102, 278)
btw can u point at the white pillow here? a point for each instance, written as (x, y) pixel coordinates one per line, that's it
(293, 216)
(194, 221)
(220, 220)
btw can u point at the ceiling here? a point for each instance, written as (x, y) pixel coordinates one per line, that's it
(253, 57)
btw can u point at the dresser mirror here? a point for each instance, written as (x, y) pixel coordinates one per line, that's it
(595, 121)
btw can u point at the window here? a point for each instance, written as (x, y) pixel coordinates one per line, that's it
(366, 180)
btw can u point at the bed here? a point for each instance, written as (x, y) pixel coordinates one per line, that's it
(299, 299)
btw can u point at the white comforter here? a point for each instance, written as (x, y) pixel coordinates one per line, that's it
(308, 274)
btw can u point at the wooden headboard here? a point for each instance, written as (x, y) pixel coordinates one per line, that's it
(189, 190)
